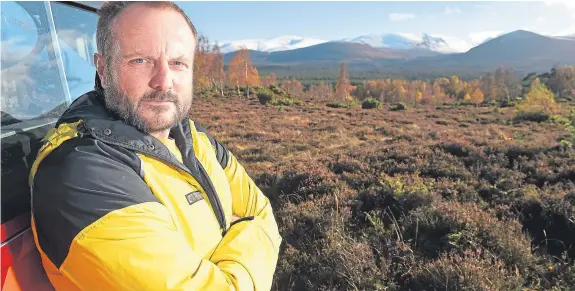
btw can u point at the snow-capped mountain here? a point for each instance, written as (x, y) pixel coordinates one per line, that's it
(436, 44)
(393, 41)
(387, 40)
(282, 43)
(404, 41)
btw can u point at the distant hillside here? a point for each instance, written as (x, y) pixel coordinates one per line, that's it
(521, 51)
(334, 51)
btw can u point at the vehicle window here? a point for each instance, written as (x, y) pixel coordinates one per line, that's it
(31, 86)
(76, 30)
(33, 95)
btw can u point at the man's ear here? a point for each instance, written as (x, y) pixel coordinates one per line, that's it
(100, 63)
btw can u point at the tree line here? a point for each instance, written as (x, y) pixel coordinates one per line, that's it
(501, 86)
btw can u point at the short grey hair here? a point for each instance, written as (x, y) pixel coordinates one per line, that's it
(108, 14)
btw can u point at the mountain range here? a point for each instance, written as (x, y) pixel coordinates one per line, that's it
(522, 51)
(400, 41)
(287, 42)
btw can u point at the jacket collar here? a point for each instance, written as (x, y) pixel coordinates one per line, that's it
(107, 127)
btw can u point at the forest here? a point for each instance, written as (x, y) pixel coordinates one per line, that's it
(501, 86)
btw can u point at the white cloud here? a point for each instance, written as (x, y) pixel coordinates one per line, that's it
(448, 10)
(569, 31)
(456, 44)
(466, 43)
(541, 20)
(476, 38)
(569, 4)
(401, 16)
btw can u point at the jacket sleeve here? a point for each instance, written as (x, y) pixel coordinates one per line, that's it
(247, 198)
(100, 225)
(249, 201)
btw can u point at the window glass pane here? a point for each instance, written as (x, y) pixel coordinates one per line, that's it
(32, 96)
(31, 85)
(76, 31)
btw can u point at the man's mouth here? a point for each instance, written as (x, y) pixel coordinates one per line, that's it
(158, 101)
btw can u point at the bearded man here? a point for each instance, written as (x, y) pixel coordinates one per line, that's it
(128, 193)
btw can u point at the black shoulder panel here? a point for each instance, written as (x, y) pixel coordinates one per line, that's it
(78, 183)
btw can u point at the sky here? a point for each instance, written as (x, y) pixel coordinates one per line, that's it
(470, 22)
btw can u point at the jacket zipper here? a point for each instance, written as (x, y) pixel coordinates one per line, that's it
(212, 196)
(208, 189)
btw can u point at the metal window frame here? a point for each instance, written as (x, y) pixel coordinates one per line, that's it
(58, 52)
(91, 6)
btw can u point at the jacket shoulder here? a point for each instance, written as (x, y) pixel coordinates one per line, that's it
(222, 152)
(77, 184)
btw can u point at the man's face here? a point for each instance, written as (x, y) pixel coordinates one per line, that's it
(149, 79)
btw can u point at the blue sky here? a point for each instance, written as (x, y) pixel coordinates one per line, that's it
(466, 21)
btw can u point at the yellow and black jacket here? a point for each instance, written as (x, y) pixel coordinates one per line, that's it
(116, 209)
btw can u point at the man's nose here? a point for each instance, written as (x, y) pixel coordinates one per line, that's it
(162, 79)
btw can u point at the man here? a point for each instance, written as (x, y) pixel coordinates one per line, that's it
(128, 193)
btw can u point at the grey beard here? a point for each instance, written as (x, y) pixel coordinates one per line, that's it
(119, 103)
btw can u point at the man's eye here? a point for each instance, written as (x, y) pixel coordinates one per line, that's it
(139, 61)
(178, 63)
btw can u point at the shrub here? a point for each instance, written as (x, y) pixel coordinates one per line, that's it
(463, 103)
(491, 103)
(469, 271)
(370, 103)
(337, 262)
(337, 105)
(341, 104)
(265, 96)
(535, 116)
(569, 124)
(278, 90)
(393, 197)
(311, 183)
(550, 221)
(285, 101)
(505, 103)
(347, 263)
(451, 226)
(302, 225)
(398, 107)
(353, 104)
(411, 191)
(344, 163)
(444, 165)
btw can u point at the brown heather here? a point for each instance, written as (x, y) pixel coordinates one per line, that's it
(449, 197)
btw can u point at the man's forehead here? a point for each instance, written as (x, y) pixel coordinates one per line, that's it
(138, 32)
(140, 18)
